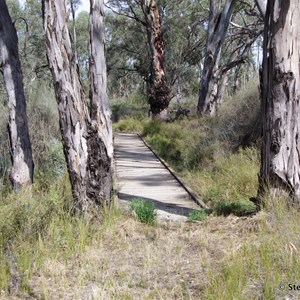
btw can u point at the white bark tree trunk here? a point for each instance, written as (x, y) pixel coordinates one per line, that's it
(87, 140)
(216, 32)
(70, 97)
(100, 142)
(21, 154)
(280, 160)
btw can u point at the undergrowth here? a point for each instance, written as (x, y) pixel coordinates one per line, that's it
(36, 225)
(217, 156)
(46, 252)
(145, 211)
(264, 267)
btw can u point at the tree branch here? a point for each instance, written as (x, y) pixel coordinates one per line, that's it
(134, 17)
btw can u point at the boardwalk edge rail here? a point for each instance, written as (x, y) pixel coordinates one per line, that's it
(192, 194)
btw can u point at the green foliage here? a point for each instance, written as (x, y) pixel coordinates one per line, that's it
(241, 207)
(166, 140)
(144, 210)
(82, 39)
(229, 177)
(199, 215)
(37, 225)
(135, 105)
(129, 125)
(25, 219)
(239, 120)
(14, 9)
(264, 262)
(152, 128)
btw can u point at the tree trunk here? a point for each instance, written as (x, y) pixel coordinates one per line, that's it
(216, 32)
(158, 88)
(87, 140)
(21, 153)
(73, 12)
(100, 142)
(69, 94)
(280, 170)
(262, 5)
(215, 91)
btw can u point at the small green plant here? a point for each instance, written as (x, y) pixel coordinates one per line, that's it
(240, 207)
(144, 210)
(198, 215)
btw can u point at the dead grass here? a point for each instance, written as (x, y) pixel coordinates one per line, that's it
(130, 260)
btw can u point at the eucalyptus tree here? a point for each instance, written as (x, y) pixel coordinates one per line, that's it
(127, 55)
(21, 154)
(131, 41)
(228, 44)
(148, 14)
(280, 169)
(74, 4)
(87, 137)
(30, 31)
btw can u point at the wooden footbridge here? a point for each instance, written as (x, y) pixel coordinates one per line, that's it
(140, 173)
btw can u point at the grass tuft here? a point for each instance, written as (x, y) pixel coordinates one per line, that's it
(241, 207)
(144, 211)
(199, 215)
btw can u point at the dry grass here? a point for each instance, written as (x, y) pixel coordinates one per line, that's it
(46, 253)
(130, 260)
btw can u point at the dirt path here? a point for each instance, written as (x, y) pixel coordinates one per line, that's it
(141, 175)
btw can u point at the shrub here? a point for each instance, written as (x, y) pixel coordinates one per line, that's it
(144, 210)
(152, 128)
(240, 117)
(129, 125)
(135, 105)
(241, 207)
(166, 139)
(199, 215)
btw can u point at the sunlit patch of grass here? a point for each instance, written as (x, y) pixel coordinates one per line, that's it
(261, 266)
(230, 178)
(36, 225)
(199, 215)
(145, 211)
(130, 124)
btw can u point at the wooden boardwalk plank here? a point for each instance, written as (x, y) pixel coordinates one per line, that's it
(141, 175)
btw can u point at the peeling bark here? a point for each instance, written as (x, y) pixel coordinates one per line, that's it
(70, 98)
(215, 92)
(21, 154)
(158, 88)
(217, 28)
(87, 139)
(280, 156)
(100, 142)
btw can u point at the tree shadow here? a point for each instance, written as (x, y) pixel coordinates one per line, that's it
(167, 207)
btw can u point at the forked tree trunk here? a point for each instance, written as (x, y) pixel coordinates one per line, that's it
(100, 142)
(217, 27)
(21, 153)
(73, 114)
(158, 88)
(280, 169)
(87, 142)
